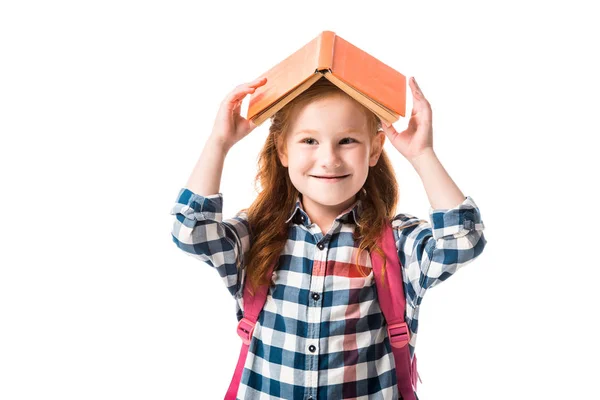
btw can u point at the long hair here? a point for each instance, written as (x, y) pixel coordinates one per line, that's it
(269, 231)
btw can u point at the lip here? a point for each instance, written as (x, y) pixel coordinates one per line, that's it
(330, 180)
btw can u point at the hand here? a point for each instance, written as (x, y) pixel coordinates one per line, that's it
(230, 127)
(417, 138)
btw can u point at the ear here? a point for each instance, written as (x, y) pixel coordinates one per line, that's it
(283, 159)
(282, 153)
(376, 148)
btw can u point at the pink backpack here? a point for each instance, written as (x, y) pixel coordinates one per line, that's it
(393, 305)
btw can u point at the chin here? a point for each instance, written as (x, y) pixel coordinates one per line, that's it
(328, 200)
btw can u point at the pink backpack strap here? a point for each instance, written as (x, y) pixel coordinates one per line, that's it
(393, 305)
(252, 308)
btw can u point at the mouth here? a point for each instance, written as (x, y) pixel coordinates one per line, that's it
(332, 178)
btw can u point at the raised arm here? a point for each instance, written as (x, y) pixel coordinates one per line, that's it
(198, 227)
(205, 178)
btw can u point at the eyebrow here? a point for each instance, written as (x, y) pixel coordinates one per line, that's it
(314, 132)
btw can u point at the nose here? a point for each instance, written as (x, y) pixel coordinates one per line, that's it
(329, 156)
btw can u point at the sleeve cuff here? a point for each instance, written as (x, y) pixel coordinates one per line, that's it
(456, 222)
(197, 207)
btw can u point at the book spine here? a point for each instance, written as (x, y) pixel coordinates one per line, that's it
(326, 49)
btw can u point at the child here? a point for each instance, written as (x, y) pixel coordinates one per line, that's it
(327, 186)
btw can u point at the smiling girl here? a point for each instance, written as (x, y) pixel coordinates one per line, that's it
(328, 193)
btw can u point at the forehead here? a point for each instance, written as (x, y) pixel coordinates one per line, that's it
(333, 114)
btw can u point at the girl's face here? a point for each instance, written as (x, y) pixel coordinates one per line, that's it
(329, 137)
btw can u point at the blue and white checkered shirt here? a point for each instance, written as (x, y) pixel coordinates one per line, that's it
(322, 334)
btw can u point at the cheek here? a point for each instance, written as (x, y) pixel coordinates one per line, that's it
(301, 164)
(361, 155)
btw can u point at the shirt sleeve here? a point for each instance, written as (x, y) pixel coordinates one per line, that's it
(200, 231)
(431, 252)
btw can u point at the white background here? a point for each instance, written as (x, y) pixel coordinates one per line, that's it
(105, 108)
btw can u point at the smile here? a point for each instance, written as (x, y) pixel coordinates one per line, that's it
(336, 179)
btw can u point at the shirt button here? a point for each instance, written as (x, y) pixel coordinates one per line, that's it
(312, 348)
(320, 246)
(316, 296)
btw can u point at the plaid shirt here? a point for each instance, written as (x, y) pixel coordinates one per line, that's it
(321, 334)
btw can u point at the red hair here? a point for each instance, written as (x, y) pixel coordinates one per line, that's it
(269, 231)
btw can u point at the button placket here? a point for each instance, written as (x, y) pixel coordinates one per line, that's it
(314, 314)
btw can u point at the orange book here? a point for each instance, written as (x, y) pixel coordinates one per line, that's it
(369, 81)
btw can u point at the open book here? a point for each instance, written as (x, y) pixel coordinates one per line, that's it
(369, 81)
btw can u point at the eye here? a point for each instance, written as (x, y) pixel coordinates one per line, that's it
(348, 138)
(352, 139)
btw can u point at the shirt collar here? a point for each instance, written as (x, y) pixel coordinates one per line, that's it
(351, 214)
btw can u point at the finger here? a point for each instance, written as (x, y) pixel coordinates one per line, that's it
(244, 91)
(387, 127)
(257, 82)
(420, 103)
(246, 88)
(250, 87)
(239, 94)
(416, 90)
